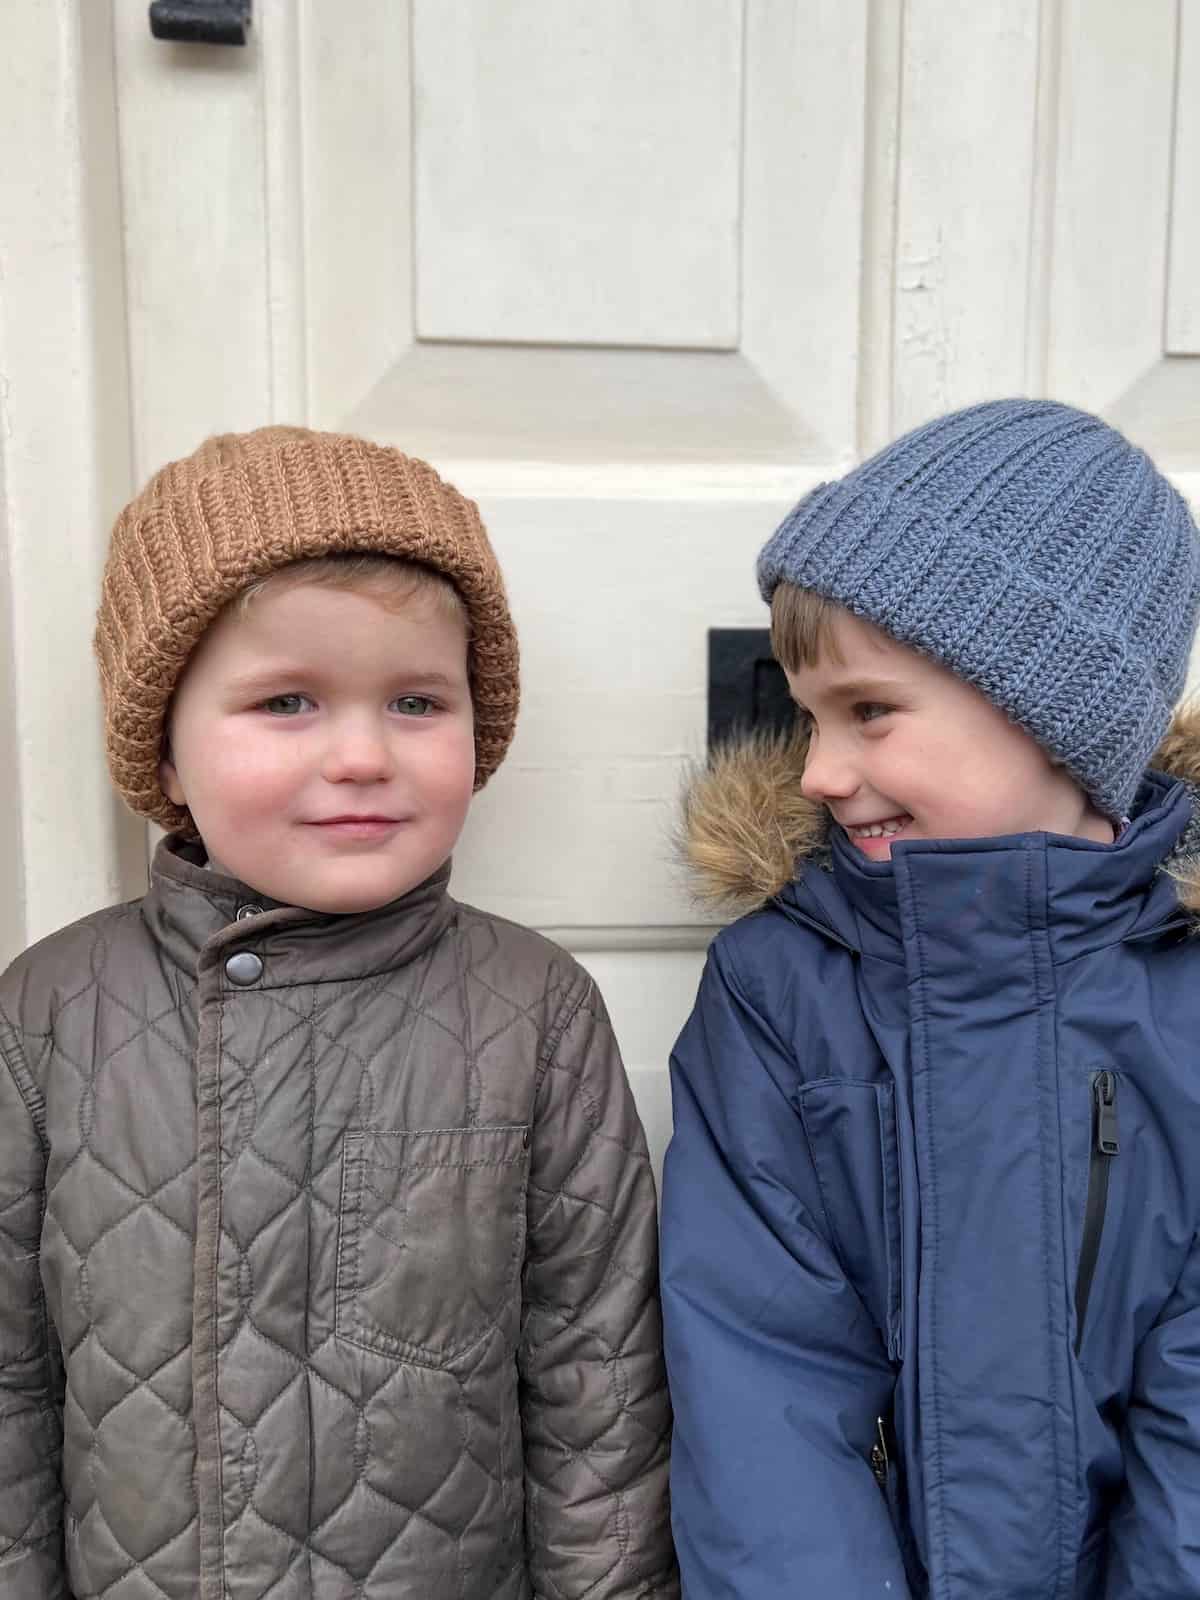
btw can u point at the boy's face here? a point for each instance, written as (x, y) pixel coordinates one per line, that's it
(903, 749)
(324, 744)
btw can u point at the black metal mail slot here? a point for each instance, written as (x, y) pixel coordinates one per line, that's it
(746, 686)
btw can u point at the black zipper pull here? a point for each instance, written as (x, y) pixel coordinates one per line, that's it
(879, 1455)
(1106, 1143)
(1104, 1091)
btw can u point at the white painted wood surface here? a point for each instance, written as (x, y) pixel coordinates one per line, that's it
(347, 129)
(1183, 284)
(64, 462)
(803, 173)
(192, 184)
(1107, 253)
(964, 196)
(613, 598)
(557, 153)
(879, 210)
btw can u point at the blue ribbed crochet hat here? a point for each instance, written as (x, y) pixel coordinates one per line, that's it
(1035, 552)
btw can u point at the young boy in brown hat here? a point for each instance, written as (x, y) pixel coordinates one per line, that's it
(327, 1232)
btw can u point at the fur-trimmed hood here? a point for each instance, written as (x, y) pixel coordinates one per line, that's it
(746, 828)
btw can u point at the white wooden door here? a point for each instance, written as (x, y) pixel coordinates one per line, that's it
(633, 275)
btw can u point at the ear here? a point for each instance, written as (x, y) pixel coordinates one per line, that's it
(168, 778)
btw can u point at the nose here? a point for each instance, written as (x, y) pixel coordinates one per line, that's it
(357, 752)
(828, 772)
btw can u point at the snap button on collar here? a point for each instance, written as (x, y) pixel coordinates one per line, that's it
(244, 968)
(248, 911)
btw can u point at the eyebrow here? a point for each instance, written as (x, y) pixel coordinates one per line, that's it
(434, 680)
(271, 677)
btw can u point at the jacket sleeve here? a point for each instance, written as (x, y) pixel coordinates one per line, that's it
(594, 1408)
(1154, 1532)
(778, 1373)
(31, 1559)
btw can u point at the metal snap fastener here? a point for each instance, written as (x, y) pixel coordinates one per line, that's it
(248, 911)
(244, 968)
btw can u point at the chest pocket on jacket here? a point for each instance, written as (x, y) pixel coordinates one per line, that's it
(851, 1133)
(430, 1238)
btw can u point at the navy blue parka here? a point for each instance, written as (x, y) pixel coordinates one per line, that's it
(931, 1222)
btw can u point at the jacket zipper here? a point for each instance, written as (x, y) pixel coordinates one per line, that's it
(879, 1455)
(887, 1475)
(1105, 1145)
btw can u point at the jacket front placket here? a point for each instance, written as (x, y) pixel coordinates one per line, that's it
(994, 1397)
(221, 986)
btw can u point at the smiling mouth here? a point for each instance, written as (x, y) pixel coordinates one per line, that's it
(886, 829)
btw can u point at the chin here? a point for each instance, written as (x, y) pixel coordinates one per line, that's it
(346, 903)
(351, 898)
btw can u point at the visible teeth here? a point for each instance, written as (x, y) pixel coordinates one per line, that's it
(880, 830)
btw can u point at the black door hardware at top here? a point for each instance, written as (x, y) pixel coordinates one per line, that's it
(747, 690)
(201, 21)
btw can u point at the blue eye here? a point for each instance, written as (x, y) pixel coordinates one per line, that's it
(286, 705)
(871, 711)
(414, 705)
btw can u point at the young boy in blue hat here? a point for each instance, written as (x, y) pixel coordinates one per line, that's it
(931, 1230)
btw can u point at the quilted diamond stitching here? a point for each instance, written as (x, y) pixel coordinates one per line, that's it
(309, 1023)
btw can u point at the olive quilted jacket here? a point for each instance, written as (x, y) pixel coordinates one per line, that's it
(327, 1261)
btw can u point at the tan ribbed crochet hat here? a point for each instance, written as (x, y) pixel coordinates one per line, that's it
(244, 505)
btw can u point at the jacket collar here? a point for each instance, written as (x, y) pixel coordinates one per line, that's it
(748, 833)
(1083, 895)
(193, 915)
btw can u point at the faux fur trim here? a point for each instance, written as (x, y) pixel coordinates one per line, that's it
(1179, 754)
(745, 825)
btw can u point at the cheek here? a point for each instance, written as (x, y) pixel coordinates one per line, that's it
(232, 770)
(999, 786)
(923, 762)
(954, 796)
(451, 770)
